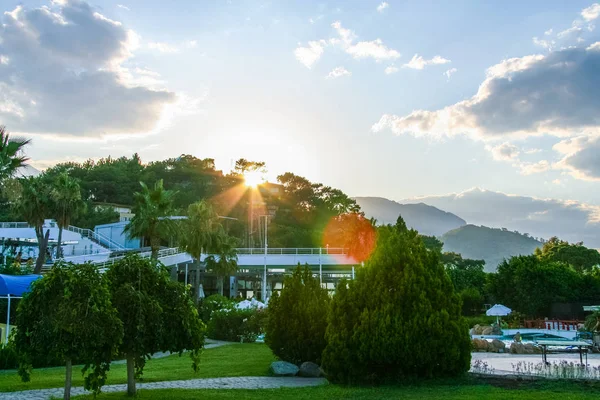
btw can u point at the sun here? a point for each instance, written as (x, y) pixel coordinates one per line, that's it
(253, 178)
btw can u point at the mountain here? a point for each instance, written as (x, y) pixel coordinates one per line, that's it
(568, 219)
(426, 219)
(489, 244)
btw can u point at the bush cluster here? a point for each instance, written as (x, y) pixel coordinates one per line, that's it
(298, 319)
(233, 325)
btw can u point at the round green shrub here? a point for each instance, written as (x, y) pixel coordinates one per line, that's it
(399, 318)
(213, 303)
(234, 325)
(298, 319)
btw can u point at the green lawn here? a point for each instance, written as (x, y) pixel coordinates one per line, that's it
(460, 390)
(231, 360)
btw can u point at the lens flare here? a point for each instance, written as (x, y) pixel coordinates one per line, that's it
(253, 178)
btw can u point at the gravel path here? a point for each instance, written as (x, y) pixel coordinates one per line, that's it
(249, 382)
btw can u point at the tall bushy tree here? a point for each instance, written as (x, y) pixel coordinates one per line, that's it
(11, 157)
(199, 233)
(151, 209)
(34, 204)
(399, 318)
(297, 321)
(66, 203)
(577, 255)
(224, 263)
(68, 316)
(157, 313)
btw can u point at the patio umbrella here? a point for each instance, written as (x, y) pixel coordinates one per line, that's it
(498, 310)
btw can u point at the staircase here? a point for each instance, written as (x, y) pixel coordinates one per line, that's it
(96, 238)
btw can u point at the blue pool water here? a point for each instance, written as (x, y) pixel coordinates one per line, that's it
(530, 337)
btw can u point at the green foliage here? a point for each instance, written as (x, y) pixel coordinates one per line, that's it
(11, 158)
(68, 316)
(489, 244)
(213, 303)
(530, 285)
(298, 318)
(236, 325)
(577, 255)
(224, 263)
(9, 359)
(592, 322)
(479, 320)
(92, 215)
(150, 209)
(399, 318)
(432, 243)
(157, 313)
(472, 301)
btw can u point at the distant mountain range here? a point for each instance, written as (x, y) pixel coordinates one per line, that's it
(489, 244)
(428, 220)
(476, 242)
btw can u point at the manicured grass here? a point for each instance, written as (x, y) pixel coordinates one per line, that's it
(230, 360)
(460, 390)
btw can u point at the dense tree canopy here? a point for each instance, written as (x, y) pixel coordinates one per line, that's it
(577, 255)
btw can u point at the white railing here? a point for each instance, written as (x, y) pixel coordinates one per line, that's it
(292, 251)
(14, 225)
(95, 236)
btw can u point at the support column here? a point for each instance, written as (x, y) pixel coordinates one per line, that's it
(353, 272)
(7, 321)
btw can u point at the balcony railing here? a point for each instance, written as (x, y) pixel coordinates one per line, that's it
(292, 251)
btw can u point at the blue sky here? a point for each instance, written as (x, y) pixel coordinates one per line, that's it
(229, 79)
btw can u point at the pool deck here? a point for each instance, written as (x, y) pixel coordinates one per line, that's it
(502, 362)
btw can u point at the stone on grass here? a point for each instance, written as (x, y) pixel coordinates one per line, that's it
(310, 370)
(498, 346)
(283, 368)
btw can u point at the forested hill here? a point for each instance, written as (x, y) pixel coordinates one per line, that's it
(489, 244)
(428, 220)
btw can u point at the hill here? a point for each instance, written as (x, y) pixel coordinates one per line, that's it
(489, 244)
(428, 220)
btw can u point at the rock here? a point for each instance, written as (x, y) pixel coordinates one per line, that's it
(480, 344)
(517, 348)
(496, 330)
(488, 330)
(498, 346)
(310, 370)
(283, 368)
(476, 330)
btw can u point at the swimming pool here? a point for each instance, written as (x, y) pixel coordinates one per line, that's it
(530, 337)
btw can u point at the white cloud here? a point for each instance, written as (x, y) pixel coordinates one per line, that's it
(548, 32)
(547, 44)
(170, 48)
(310, 54)
(374, 49)
(530, 168)
(450, 72)
(381, 7)
(346, 35)
(581, 157)
(418, 62)
(338, 72)
(504, 151)
(594, 46)
(67, 78)
(391, 70)
(592, 12)
(570, 220)
(123, 7)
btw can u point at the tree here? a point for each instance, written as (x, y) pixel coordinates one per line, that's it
(576, 255)
(66, 198)
(351, 231)
(399, 318)
(34, 205)
(225, 262)
(152, 209)
(68, 316)
(11, 158)
(157, 313)
(297, 321)
(198, 234)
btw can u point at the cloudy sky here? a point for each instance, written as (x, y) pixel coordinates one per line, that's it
(397, 99)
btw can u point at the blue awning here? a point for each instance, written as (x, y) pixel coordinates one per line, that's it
(16, 285)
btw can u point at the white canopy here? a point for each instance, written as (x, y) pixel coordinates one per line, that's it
(245, 304)
(498, 310)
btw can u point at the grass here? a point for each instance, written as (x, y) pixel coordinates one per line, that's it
(461, 389)
(225, 361)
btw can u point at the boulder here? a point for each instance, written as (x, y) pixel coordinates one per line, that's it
(476, 330)
(480, 344)
(496, 330)
(517, 348)
(488, 330)
(283, 368)
(530, 348)
(310, 370)
(498, 346)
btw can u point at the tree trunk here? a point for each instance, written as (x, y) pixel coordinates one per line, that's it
(130, 375)
(68, 373)
(198, 281)
(221, 285)
(58, 247)
(154, 247)
(42, 246)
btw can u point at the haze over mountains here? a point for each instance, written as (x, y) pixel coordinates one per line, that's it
(483, 224)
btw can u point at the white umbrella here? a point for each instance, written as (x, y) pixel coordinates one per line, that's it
(243, 305)
(498, 310)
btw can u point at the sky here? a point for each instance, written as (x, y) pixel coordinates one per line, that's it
(399, 99)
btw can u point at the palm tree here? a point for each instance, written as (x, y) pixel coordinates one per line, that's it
(225, 262)
(10, 154)
(67, 203)
(152, 208)
(34, 205)
(199, 233)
